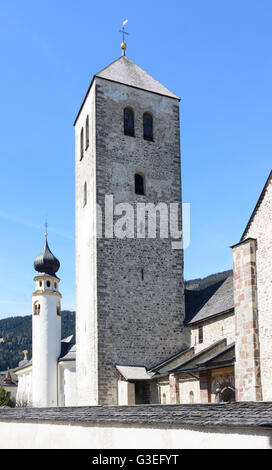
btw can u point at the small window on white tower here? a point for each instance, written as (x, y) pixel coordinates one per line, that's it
(81, 143)
(48, 284)
(87, 132)
(36, 308)
(55, 285)
(85, 194)
(58, 310)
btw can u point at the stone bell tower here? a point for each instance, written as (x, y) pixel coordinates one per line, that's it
(46, 330)
(129, 288)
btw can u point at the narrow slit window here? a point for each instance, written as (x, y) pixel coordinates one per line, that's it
(87, 132)
(142, 273)
(148, 126)
(58, 310)
(37, 308)
(129, 122)
(81, 143)
(85, 195)
(200, 334)
(139, 184)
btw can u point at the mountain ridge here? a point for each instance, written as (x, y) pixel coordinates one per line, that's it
(16, 336)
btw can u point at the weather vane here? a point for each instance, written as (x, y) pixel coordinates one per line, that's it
(123, 45)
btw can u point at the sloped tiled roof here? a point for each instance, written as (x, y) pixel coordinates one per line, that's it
(228, 353)
(13, 383)
(204, 353)
(68, 349)
(124, 71)
(203, 303)
(238, 414)
(133, 372)
(268, 181)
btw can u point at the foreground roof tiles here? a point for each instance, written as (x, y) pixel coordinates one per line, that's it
(253, 414)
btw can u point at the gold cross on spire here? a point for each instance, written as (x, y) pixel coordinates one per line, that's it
(123, 44)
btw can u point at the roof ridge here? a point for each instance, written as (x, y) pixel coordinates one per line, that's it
(260, 200)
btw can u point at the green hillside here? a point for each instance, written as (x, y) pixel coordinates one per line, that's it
(16, 336)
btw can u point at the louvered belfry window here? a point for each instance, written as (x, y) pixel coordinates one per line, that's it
(148, 126)
(129, 122)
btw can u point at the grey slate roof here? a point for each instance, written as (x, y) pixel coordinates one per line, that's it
(24, 365)
(260, 200)
(123, 70)
(3, 384)
(191, 363)
(169, 359)
(258, 414)
(214, 299)
(68, 349)
(228, 353)
(133, 372)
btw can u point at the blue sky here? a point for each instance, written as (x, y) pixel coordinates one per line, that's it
(215, 55)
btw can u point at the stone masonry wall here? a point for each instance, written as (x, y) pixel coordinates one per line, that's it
(214, 330)
(86, 291)
(247, 363)
(139, 320)
(261, 229)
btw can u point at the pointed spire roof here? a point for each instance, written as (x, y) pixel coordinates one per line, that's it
(46, 262)
(124, 71)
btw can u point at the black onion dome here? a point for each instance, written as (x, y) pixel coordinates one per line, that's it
(46, 262)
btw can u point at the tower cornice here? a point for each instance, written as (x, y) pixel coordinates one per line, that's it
(44, 292)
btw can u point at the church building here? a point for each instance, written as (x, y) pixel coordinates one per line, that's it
(143, 335)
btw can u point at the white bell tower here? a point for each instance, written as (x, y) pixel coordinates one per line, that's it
(46, 330)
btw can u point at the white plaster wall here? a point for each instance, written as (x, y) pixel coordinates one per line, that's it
(70, 391)
(214, 330)
(18, 435)
(185, 387)
(46, 346)
(24, 390)
(126, 393)
(261, 229)
(164, 393)
(86, 290)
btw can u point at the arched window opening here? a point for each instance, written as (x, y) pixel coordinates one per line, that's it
(48, 284)
(37, 308)
(192, 398)
(87, 132)
(58, 310)
(139, 184)
(129, 122)
(148, 126)
(164, 399)
(40, 283)
(227, 395)
(55, 285)
(81, 143)
(85, 194)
